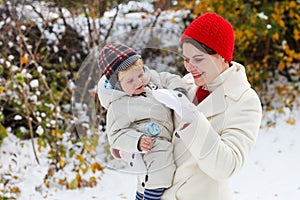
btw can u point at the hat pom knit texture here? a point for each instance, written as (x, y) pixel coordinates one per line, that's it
(213, 31)
(114, 58)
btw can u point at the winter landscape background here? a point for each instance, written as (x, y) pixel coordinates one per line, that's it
(29, 167)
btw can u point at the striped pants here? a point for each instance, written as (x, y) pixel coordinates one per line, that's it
(150, 194)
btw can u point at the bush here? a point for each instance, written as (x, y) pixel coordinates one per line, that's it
(40, 60)
(39, 63)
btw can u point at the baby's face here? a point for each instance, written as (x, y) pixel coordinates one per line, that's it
(133, 80)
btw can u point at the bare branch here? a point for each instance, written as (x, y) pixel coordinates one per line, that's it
(156, 18)
(112, 23)
(37, 12)
(22, 92)
(89, 25)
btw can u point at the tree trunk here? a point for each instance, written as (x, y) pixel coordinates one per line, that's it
(102, 7)
(162, 4)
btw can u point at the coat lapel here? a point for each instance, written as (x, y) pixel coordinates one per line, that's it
(214, 104)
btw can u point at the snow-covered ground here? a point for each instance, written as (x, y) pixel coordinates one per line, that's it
(271, 170)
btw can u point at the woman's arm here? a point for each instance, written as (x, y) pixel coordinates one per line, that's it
(168, 80)
(221, 155)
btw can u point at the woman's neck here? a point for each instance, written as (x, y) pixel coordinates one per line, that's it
(219, 80)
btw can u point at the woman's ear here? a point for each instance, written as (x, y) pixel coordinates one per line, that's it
(222, 62)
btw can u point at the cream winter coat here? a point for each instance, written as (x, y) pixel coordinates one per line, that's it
(126, 117)
(215, 145)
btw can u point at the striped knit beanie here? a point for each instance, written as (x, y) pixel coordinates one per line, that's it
(213, 31)
(114, 58)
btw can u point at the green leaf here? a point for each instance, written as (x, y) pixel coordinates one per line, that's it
(71, 153)
(73, 185)
(42, 142)
(42, 49)
(1, 117)
(3, 133)
(20, 78)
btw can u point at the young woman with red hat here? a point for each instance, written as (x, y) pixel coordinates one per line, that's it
(226, 112)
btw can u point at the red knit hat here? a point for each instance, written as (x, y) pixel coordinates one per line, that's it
(213, 31)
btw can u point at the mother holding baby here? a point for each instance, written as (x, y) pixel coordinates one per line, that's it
(226, 112)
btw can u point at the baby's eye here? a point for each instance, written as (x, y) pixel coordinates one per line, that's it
(141, 75)
(130, 81)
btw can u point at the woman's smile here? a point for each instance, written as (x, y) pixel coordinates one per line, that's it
(197, 75)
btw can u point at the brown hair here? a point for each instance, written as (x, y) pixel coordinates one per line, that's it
(202, 47)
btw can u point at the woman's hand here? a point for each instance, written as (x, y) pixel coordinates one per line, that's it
(178, 102)
(145, 143)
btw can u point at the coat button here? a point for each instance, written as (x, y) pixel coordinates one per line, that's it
(176, 135)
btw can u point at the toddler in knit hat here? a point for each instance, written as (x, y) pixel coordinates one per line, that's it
(136, 122)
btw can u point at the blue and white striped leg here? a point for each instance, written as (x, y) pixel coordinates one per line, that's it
(153, 194)
(139, 196)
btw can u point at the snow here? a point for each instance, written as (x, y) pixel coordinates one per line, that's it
(17, 117)
(271, 171)
(34, 83)
(44, 8)
(262, 16)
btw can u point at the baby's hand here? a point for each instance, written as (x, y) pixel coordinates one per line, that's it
(145, 143)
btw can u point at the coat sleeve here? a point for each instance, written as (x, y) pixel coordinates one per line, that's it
(121, 134)
(169, 80)
(220, 155)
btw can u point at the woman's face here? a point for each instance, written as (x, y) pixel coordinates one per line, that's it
(204, 67)
(133, 80)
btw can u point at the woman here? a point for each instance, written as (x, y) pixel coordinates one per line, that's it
(214, 145)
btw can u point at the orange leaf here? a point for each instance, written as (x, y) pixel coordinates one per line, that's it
(62, 163)
(93, 181)
(80, 158)
(84, 169)
(275, 36)
(296, 34)
(1, 89)
(78, 177)
(96, 166)
(290, 121)
(24, 60)
(63, 181)
(281, 65)
(39, 149)
(14, 189)
(53, 132)
(173, 20)
(281, 23)
(292, 4)
(280, 110)
(50, 172)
